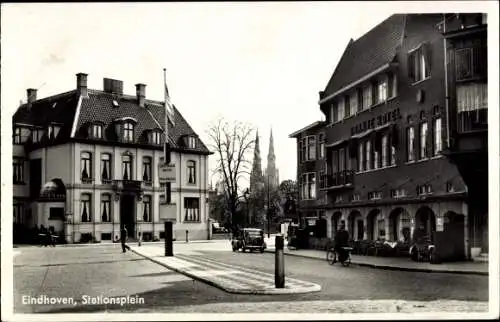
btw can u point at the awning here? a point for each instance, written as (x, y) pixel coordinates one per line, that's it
(336, 143)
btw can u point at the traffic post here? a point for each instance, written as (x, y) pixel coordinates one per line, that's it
(169, 249)
(279, 264)
(187, 234)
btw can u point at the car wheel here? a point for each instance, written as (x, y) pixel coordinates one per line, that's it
(262, 250)
(414, 255)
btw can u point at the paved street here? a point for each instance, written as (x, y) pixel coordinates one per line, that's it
(105, 271)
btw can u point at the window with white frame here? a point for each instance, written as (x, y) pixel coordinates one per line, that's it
(341, 108)
(309, 148)
(424, 189)
(128, 132)
(191, 142)
(423, 141)
(368, 150)
(17, 136)
(353, 102)
(18, 171)
(85, 208)
(393, 85)
(309, 186)
(374, 195)
(53, 131)
(393, 154)
(191, 209)
(191, 172)
(367, 97)
(398, 193)
(146, 213)
(106, 207)
(361, 156)
(86, 166)
(105, 167)
(36, 135)
(97, 131)
(334, 113)
(347, 103)
(147, 175)
(382, 90)
(384, 143)
(410, 144)
(321, 146)
(127, 167)
(155, 137)
(419, 63)
(376, 159)
(438, 142)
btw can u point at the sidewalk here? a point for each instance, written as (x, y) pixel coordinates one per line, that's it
(230, 278)
(396, 263)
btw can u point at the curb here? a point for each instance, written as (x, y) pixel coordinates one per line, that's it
(315, 288)
(395, 268)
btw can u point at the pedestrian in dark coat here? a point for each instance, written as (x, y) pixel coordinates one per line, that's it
(123, 238)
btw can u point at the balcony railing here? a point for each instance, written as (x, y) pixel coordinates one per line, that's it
(337, 180)
(127, 185)
(470, 121)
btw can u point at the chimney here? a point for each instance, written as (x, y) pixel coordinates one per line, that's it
(140, 90)
(81, 84)
(31, 94)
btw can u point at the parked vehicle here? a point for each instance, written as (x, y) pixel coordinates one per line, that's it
(423, 250)
(297, 238)
(249, 238)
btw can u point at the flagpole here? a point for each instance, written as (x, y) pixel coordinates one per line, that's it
(166, 150)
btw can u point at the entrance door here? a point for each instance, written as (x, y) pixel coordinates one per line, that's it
(127, 214)
(361, 231)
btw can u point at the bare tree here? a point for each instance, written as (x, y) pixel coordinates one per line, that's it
(233, 146)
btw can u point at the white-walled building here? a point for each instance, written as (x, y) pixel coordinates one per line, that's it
(87, 161)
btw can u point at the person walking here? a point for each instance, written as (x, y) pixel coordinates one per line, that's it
(123, 237)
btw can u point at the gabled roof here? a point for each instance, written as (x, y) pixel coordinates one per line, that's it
(371, 51)
(312, 126)
(98, 107)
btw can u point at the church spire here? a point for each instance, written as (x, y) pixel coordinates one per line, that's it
(256, 174)
(271, 170)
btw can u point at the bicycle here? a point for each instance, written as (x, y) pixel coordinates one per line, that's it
(331, 256)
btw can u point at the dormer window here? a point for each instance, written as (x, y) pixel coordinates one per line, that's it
(37, 135)
(155, 137)
(53, 131)
(17, 137)
(128, 132)
(97, 131)
(191, 142)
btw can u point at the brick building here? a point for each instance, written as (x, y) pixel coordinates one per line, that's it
(404, 146)
(86, 162)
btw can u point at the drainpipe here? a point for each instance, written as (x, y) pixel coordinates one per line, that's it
(447, 98)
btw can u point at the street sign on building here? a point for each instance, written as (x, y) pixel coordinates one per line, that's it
(166, 173)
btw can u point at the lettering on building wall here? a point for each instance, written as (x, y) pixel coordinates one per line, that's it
(382, 119)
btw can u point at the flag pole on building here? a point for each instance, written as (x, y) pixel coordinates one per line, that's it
(166, 145)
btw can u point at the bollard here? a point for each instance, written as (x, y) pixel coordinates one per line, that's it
(139, 241)
(187, 234)
(279, 263)
(168, 238)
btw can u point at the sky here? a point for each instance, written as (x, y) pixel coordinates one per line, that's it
(262, 62)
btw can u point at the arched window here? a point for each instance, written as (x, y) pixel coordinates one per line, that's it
(106, 207)
(86, 166)
(191, 172)
(85, 208)
(127, 167)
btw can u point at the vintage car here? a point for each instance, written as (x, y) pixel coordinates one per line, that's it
(249, 238)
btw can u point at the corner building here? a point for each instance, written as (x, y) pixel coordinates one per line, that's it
(406, 116)
(86, 162)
